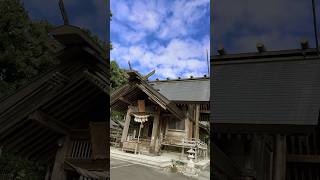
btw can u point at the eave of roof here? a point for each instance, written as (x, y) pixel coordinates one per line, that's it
(181, 79)
(292, 54)
(72, 35)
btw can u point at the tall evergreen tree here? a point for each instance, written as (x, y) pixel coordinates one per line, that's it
(24, 48)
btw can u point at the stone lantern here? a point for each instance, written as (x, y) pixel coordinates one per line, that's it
(191, 156)
(190, 170)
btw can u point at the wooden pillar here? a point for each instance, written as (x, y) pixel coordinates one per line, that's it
(248, 157)
(126, 125)
(190, 129)
(187, 122)
(197, 119)
(279, 159)
(191, 116)
(155, 130)
(58, 172)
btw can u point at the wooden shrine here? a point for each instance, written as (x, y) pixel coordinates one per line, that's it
(61, 117)
(159, 117)
(265, 115)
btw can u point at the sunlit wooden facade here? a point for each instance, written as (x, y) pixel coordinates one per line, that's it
(172, 123)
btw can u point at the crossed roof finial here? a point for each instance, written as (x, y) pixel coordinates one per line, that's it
(63, 13)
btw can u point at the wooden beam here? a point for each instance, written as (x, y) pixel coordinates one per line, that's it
(149, 75)
(279, 160)
(190, 129)
(77, 82)
(58, 172)
(120, 93)
(28, 91)
(126, 125)
(197, 118)
(124, 100)
(98, 82)
(63, 12)
(205, 111)
(23, 109)
(298, 158)
(186, 121)
(155, 130)
(48, 121)
(190, 119)
(87, 164)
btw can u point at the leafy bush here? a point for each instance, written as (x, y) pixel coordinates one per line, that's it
(19, 168)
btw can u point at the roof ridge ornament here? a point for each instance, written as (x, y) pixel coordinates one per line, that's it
(63, 13)
(221, 51)
(146, 77)
(304, 43)
(261, 47)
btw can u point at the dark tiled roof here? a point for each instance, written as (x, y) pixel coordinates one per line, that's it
(193, 89)
(275, 91)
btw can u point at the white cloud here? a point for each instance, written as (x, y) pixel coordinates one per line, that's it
(143, 15)
(178, 58)
(167, 19)
(158, 35)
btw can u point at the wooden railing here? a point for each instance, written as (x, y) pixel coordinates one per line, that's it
(115, 138)
(186, 142)
(201, 148)
(131, 145)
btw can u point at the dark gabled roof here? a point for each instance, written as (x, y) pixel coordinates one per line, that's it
(184, 90)
(36, 116)
(134, 88)
(270, 88)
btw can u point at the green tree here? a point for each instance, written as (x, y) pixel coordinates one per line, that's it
(24, 48)
(118, 76)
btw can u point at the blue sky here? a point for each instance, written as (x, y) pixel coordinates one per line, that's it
(280, 24)
(89, 14)
(169, 36)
